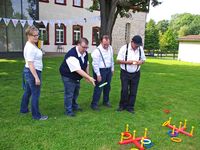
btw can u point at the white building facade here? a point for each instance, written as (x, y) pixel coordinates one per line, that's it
(65, 35)
(189, 48)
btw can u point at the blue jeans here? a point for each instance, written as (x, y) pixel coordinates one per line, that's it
(71, 88)
(33, 91)
(106, 76)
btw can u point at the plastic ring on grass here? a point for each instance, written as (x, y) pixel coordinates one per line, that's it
(165, 123)
(146, 141)
(134, 149)
(127, 136)
(172, 135)
(148, 145)
(176, 139)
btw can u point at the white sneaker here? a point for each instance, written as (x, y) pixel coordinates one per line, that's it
(43, 118)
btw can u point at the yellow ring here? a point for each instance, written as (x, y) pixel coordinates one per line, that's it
(176, 139)
(165, 123)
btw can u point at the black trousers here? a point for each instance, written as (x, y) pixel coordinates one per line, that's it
(129, 86)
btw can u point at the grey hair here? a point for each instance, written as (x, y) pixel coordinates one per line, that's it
(83, 40)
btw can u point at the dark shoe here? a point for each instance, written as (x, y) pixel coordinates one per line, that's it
(131, 111)
(43, 118)
(71, 114)
(107, 105)
(120, 109)
(95, 108)
(78, 109)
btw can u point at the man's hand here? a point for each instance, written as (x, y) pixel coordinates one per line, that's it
(37, 81)
(92, 80)
(99, 78)
(129, 62)
(140, 62)
(112, 73)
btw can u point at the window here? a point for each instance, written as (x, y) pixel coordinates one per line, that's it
(46, 1)
(95, 35)
(60, 34)
(44, 34)
(77, 33)
(61, 2)
(78, 3)
(127, 32)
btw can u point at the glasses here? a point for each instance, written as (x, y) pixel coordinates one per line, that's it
(36, 35)
(84, 47)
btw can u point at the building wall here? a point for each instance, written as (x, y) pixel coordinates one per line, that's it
(189, 52)
(53, 11)
(137, 27)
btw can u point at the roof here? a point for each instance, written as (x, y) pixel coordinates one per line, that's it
(192, 38)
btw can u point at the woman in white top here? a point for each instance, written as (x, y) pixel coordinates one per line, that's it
(32, 74)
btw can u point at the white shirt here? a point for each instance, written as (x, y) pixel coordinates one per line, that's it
(73, 62)
(97, 60)
(34, 54)
(131, 55)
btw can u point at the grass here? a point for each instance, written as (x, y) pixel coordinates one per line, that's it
(164, 84)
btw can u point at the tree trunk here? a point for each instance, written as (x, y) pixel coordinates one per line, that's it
(109, 14)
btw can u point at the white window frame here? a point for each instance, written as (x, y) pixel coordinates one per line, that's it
(77, 3)
(60, 1)
(60, 39)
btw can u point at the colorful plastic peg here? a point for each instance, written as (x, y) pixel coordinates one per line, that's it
(134, 134)
(192, 130)
(145, 132)
(126, 127)
(180, 125)
(170, 118)
(185, 123)
(173, 129)
(142, 142)
(122, 137)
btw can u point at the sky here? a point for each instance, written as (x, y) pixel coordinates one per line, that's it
(171, 7)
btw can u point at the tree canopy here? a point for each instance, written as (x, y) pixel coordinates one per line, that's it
(151, 36)
(170, 30)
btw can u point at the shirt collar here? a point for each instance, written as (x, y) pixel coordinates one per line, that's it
(79, 54)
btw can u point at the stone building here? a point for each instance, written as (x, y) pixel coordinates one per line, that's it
(61, 23)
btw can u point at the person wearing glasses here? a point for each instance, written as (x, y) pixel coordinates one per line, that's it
(130, 57)
(32, 75)
(103, 68)
(73, 68)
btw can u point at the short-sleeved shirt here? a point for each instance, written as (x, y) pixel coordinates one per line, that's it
(73, 62)
(131, 55)
(33, 54)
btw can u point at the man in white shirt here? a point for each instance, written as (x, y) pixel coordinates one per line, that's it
(130, 57)
(103, 68)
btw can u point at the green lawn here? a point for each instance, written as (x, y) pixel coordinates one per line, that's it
(164, 84)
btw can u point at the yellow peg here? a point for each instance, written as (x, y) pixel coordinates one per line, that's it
(173, 129)
(126, 127)
(185, 123)
(142, 142)
(180, 125)
(134, 134)
(192, 130)
(145, 132)
(122, 137)
(170, 118)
